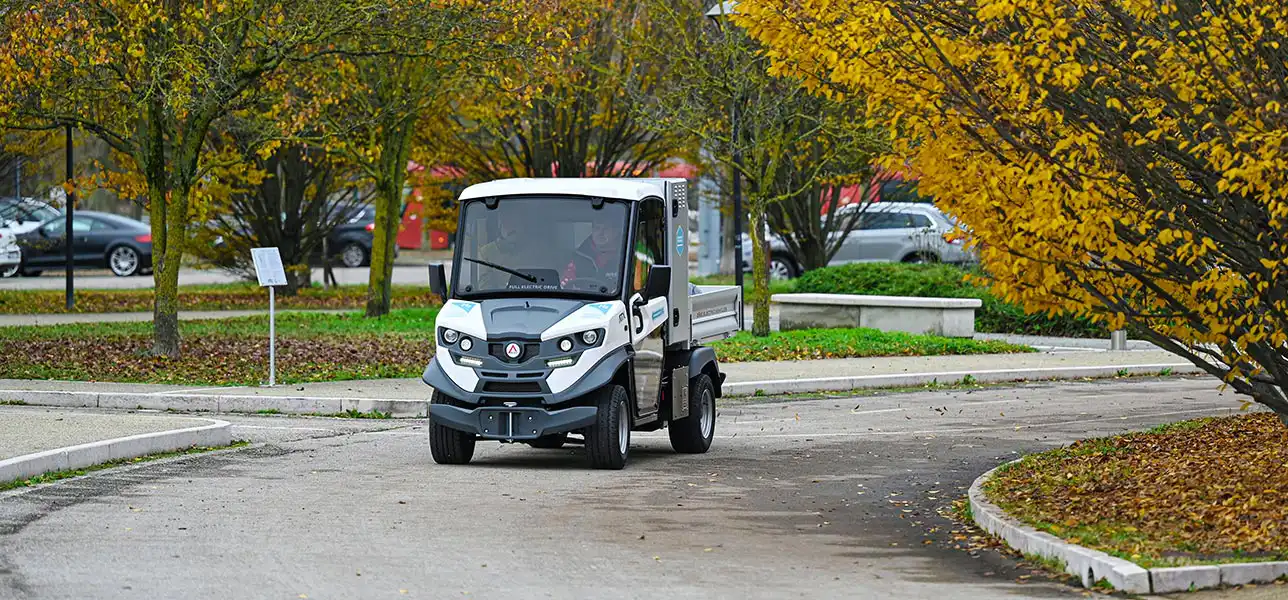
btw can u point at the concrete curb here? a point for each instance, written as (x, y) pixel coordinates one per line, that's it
(402, 408)
(1091, 566)
(291, 405)
(859, 382)
(217, 433)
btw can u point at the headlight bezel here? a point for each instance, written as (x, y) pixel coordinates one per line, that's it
(449, 336)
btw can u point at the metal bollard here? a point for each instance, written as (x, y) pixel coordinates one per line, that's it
(1118, 340)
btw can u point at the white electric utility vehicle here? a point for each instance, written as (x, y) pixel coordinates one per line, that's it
(570, 319)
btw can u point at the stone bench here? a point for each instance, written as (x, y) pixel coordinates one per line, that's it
(950, 317)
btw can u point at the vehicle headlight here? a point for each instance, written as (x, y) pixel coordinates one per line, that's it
(565, 345)
(450, 336)
(466, 343)
(589, 337)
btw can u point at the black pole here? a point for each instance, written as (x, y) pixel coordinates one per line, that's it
(737, 208)
(17, 179)
(67, 229)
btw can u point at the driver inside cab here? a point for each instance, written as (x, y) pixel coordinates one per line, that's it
(598, 257)
(506, 249)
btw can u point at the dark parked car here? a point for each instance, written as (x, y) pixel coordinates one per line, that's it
(98, 240)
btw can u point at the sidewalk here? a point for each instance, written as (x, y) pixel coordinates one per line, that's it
(407, 397)
(34, 441)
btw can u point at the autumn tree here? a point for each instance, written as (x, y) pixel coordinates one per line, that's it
(150, 78)
(573, 107)
(1122, 160)
(787, 144)
(379, 93)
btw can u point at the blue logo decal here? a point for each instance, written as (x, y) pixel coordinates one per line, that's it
(657, 314)
(465, 306)
(679, 241)
(602, 307)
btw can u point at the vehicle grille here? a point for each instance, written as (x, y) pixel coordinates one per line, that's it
(507, 387)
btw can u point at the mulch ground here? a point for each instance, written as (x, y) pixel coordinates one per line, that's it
(215, 359)
(1193, 492)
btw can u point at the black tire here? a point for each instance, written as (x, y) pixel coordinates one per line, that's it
(124, 261)
(550, 442)
(921, 258)
(32, 272)
(693, 434)
(449, 446)
(604, 444)
(781, 266)
(353, 255)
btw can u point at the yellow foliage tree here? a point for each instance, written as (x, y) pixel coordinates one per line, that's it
(1122, 159)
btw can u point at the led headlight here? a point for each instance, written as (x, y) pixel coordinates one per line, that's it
(450, 336)
(466, 343)
(589, 337)
(565, 345)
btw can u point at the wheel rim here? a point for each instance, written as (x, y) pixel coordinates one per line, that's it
(779, 270)
(352, 256)
(11, 270)
(623, 430)
(708, 422)
(124, 261)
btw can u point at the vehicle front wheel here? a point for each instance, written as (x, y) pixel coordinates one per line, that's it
(693, 434)
(550, 442)
(921, 258)
(353, 255)
(449, 446)
(124, 261)
(782, 267)
(608, 441)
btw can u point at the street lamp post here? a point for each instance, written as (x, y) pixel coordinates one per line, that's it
(67, 227)
(715, 13)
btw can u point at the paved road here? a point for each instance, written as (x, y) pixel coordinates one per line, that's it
(835, 498)
(103, 280)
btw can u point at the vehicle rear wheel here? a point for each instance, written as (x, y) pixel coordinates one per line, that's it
(550, 442)
(353, 255)
(124, 261)
(782, 267)
(449, 446)
(8, 271)
(608, 441)
(693, 434)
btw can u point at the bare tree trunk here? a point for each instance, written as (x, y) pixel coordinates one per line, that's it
(171, 218)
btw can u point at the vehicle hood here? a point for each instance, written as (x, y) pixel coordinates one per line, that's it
(503, 318)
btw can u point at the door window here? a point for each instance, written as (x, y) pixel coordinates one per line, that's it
(79, 225)
(649, 246)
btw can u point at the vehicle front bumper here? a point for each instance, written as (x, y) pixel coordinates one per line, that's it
(512, 422)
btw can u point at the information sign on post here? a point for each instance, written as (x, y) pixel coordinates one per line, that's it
(268, 268)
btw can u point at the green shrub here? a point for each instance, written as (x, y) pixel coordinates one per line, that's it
(942, 281)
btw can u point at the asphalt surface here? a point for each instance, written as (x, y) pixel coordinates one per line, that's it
(25, 430)
(833, 498)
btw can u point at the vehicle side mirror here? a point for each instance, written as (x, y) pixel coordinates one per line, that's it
(438, 280)
(659, 282)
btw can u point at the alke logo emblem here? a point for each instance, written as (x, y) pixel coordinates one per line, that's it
(513, 350)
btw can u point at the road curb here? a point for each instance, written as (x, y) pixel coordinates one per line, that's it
(1090, 566)
(216, 403)
(217, 433)
(860, 382)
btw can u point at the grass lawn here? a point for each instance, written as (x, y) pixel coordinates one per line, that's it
(1209, 490)
(329, 347)
(236, 296)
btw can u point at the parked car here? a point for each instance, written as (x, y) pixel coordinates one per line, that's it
(911, 232)
(98, 240)
(20, 215)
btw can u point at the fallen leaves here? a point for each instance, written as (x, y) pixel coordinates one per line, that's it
(1194, 490)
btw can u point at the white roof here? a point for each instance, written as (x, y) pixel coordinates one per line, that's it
(598, 187)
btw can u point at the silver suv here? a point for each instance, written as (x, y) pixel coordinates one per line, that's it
(911, 232)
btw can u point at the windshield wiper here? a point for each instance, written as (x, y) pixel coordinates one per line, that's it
(485, 263)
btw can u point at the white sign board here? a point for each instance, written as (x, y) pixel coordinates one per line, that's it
(268, 266)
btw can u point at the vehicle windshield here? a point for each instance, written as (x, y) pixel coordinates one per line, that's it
(543, 245)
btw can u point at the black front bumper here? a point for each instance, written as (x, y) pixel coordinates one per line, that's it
(512, 422)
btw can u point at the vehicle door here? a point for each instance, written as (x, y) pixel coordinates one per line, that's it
(862, 242)
(884, 236)
(90, 245)
(43, 246)
(647, 250)
(922, 237)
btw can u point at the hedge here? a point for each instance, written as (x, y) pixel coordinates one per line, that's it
(943, 281)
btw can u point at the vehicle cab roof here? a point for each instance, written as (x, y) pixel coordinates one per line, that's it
(632, 189)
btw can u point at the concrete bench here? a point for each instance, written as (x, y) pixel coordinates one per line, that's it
(950, 317)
